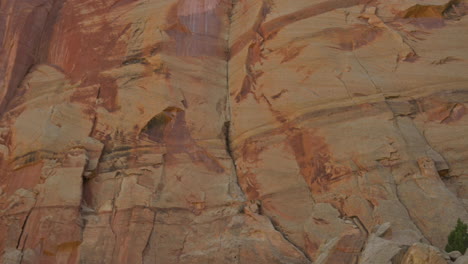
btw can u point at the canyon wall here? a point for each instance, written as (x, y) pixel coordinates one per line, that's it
(242, 131)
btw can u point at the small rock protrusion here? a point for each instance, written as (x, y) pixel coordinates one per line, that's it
(462, 260)
(423, 253)
(427, 167)
(382, 229)
(455, 255)
(252, 207)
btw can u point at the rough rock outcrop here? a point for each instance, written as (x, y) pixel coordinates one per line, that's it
(243, 131)
(423, 254)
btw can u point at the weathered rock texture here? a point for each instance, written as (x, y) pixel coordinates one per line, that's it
(242, 131)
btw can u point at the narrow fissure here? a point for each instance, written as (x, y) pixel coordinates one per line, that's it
(278, 229)
(227, 138)
(227, 124)
(22, 230)
(228, 132)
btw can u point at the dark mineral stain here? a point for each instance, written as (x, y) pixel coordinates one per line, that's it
(411, 57)
(108, 93)
(155, 127)
(120, 3)
(320, 221)
(135, 61)
(445, 60)
(278, 95)
(170, 128)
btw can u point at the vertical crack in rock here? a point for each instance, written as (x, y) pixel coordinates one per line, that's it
(20, 238)
(118, 178)
(395, 123)
(400, 132)
(363, 229)
(84, 209)
(409, 215)
(263, 30)
(22, 234)
(377, 88)
(227, 123)
(227, 137)
(147, 247)
(181, 251)
(228, 111)
(265, 10)
(285, 237)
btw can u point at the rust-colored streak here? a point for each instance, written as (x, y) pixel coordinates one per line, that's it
(29, 27)
(245, 89)
(87, 51)
(442, 112)
(249, 185)
(241, 42)
(291, 53)
(109, 93)
(272, 27)
(87, 98)
(254, 34)
(254, 54)
(324, 7)
(251, 151)
(446, 114)
(315, 161)
(250, 80)
(353, 38)
(262, 32)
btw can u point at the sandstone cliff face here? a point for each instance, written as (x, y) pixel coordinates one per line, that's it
(245, 131)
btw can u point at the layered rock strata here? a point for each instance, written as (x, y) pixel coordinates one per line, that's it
(245, 131)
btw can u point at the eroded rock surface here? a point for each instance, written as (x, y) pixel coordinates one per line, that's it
(244, 131)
